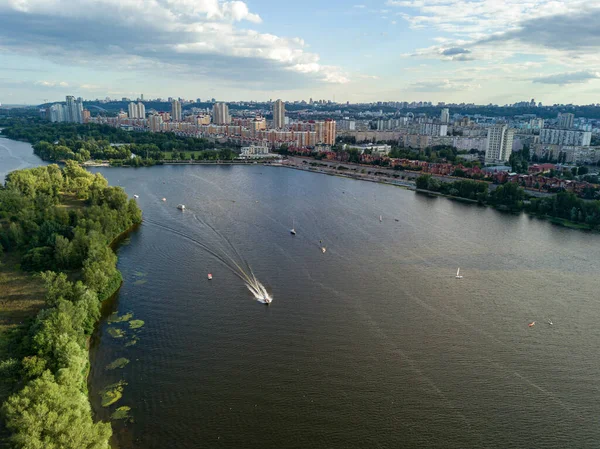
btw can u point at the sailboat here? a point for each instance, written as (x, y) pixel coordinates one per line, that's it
(458, 276)
(293, 230)
(380, 218)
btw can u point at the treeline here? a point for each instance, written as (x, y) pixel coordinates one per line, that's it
(564, 205)
(60, 221)
(68, 134)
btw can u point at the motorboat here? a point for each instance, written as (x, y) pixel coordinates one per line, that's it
(550, 322)
(293, 230)
(458, 276)
(181, 206)
(380, 218)
(209, 277)
(136, 196)
(323, 250)
(164, 199)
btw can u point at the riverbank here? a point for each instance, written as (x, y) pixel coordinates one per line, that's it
(48, 367)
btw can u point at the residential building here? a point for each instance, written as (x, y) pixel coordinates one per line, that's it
(278, 114)
(132, 110)
(86, 115)
(255, 150)
(499, 144)
(565, 137)
(433, 129)
(155, 122)
(141, 110)
(371, 148)
(74, 110)
(445, 115)
(325, 131)
(566, 120)
(176, 110)
(221, 114)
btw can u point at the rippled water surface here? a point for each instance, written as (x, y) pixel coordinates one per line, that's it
(372, 344)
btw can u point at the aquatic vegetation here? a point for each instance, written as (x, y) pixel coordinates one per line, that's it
(119, 363)
(140, 282)
(115, 318)
(132, 342)
(112, 393)
(115, 332)
(135, 324)
(140, 274)
(122, 413)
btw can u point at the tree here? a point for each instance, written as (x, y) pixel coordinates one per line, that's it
(50, 415)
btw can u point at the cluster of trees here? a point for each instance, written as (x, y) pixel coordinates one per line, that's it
(471, 190)
(519, 160)
(564, 205)
(61, 221)
(567, 206)
(80, 142)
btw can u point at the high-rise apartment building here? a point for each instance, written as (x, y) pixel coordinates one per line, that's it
(565, 137)
(566, 120)
(74, 110)
(221, 114)
(176, 110)
(433, 129)
(278, 114)
(155, 122)
(132, 110)
(445, 115)
(141, 110)
(325, 132)
(499, 144)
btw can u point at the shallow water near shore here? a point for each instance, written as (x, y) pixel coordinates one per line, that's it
(372, 344)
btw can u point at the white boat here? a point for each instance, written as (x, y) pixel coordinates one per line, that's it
(380, 218)
(181, 206)
(136, 196)
(550, 322)
(323, 250)
(458, 276)
(293, 230)
(209, 277)
(164, 199)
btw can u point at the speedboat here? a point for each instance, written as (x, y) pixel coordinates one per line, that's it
(136, 196)
(380, 218)
(458, 276)
(209, 277)
(550, 322)
(181, 206)
(323, 250)
(164, 199)
(293, 230)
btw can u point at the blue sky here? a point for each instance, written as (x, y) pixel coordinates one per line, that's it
(480, 51)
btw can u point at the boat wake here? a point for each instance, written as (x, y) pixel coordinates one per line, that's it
(228, 256)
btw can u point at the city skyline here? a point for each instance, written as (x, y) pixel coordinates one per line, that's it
(473, 51)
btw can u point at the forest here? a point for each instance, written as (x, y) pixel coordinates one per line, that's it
(60, 223)
(81, 142)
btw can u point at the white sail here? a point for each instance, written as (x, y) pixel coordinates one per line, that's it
(458, 272)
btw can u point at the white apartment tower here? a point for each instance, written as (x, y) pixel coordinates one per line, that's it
(221, 114)
(141, 110)
(445, 115)
(132, 111)
(176, 110)
(499, 144)
(278, 114)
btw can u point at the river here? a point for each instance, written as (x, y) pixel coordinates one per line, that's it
(371, 344)
(15, 155)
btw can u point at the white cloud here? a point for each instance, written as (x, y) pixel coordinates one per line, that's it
(202, 37)
(567, 78)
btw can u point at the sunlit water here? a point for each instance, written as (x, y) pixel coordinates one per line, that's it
(371, 344)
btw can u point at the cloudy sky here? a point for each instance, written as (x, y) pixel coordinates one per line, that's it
(482, 51)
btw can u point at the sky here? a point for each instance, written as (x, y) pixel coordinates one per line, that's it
(472, 51)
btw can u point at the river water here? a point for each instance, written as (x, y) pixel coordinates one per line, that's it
(371, 344)
(15, 155)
